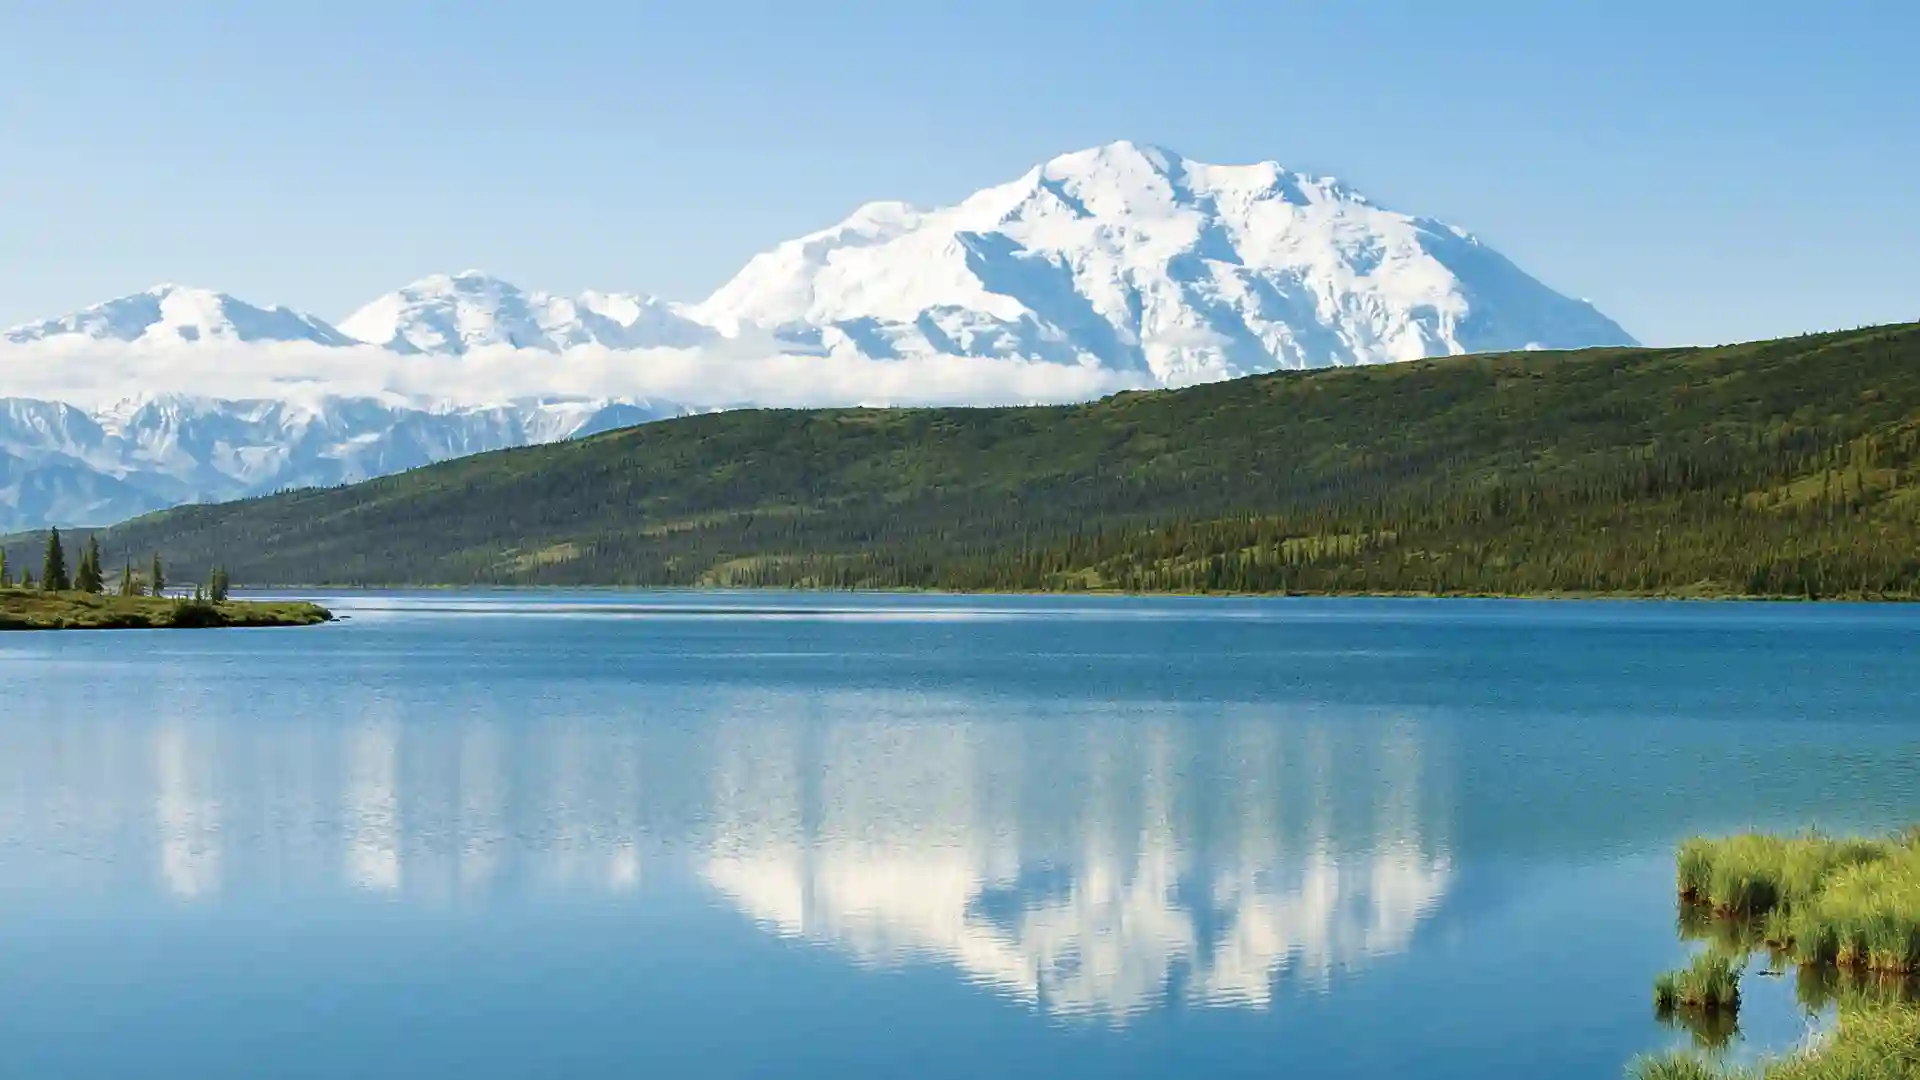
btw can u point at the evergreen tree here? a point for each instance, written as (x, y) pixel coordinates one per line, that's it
(218, 585)
(53, 571)
(6, 576)
(156, 578)
(88, 578)
(26, 579)
(129, 585)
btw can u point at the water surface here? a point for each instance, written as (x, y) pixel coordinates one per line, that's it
(772, 834)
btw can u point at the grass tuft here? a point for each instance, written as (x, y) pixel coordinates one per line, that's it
(1874, 1044)
(1710, 984)
(1677, 1066)
(1851, 902)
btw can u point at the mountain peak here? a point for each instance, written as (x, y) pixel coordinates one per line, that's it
(456, 313)
(171, 314)
(1125, 255)
(1130, 256)
(1121, 154)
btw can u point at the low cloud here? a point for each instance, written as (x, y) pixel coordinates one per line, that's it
(92, 374)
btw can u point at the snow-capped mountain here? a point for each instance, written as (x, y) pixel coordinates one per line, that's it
(1134, 258)
(62, 465)
(455, 313)
(1125, 262)
(1125, 257)
(171, 315)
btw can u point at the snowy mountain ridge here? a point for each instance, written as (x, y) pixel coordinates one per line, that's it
(454, 313)
(1124, 256)
(1134, 258)
(63, 465)
(177, 315)
(1119, 266)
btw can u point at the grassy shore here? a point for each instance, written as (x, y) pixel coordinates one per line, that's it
(1879, 1044)
(28, 609)
(1846, 910)
(1847, 903)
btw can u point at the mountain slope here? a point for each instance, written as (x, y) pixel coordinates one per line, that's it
(174, 315)
(1134, 258)
(1786, 467)
(453, 314)
(61, 465)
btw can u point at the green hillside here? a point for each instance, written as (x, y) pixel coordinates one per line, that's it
(1787, 468)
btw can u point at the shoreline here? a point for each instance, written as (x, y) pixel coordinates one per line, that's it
(27, 610)
(1659, 597)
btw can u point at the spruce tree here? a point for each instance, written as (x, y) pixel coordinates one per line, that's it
(156, 578)
(53, 571)
(6, 576)
(128, 586)
(88, 578)
(26, 579)
(217, 585)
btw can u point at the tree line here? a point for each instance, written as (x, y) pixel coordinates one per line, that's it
(1783, 468)
(88, 575)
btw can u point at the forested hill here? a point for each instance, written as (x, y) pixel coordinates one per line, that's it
(1786, 467)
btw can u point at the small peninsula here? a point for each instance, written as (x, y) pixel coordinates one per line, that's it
(34, 610)
(80, 600)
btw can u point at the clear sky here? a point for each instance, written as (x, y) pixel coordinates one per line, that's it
(1702, 171)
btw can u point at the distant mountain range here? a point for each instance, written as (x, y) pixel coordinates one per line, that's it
(1124, 258)
(64, 465)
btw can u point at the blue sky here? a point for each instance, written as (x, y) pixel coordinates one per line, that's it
(1702, 171)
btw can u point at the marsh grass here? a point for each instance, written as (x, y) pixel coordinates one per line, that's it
(1748, 875)
(1846, 910)
(1710, 985)
(1867, 918)
(1850, 903)
(1677, 1066)
(1869, 1044)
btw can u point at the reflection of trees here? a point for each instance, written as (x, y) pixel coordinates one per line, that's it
(1089, 867)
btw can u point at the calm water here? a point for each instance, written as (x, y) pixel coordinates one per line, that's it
(769, 835)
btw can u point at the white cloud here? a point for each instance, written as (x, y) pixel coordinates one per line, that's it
(95, 373)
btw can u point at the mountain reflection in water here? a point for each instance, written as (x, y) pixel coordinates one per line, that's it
(1088, 863)
(1090, 871)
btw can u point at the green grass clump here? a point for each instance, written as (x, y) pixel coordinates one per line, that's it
(1847, 910)
(1868, 917)
(1751, 874)
(1711, 984)
(1871, 1044)
(1851, 903)
(1674, 1067)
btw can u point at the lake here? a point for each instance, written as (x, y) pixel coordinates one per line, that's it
(822, 835)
